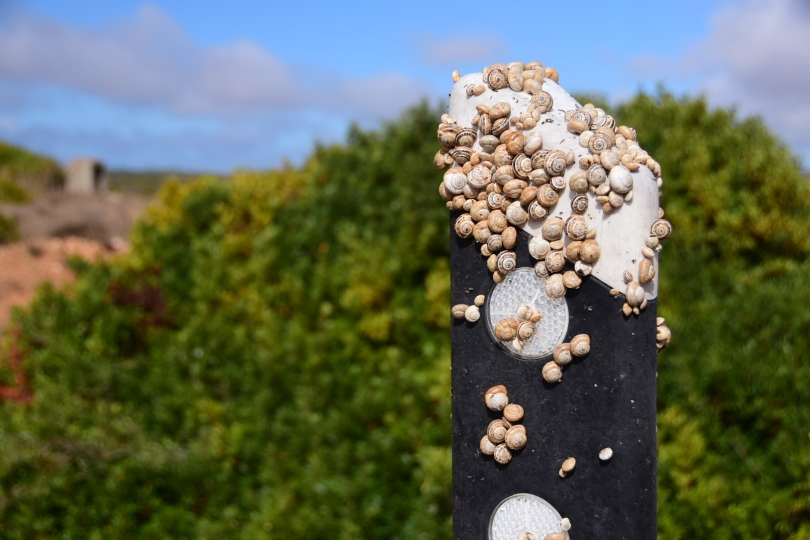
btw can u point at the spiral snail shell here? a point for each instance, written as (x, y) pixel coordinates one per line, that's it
(481, 232)
(500, 110)
(661, 229)
(552, 229)
(554, 286)
(579, 204)
(557, 182)
(513, 188)
(546, 196)
(447, 134)
(555, 163)
(541, 270)
(583, 269)
(501, 156)
(552, 372)
(579, 182)
(596, 175)
(516, 215)
(495, 243)
(509, 238)
(494, 200)
(544, 101)
(499, 126)
(634, 294)
(515, 438)
(562, 354)
(599, 142)
(479, 211)
(580, 345)
(502, 454)
(621, 179)
(589, 251)
(525, 330)
(646, 271)
(522, 166)
(464, 226)
(458, 311)
(513, 412)
(479, 176)
(455, 180)
(537, 211)
(496, 398)
(507, 262)
(576, 227)
(466, 137)
(486, 446)
(528, 195)
(497, 221)
(539, 247)
(496, 431)
(472, 314)
(497, 79)
(533, 143)
(572, 250)
(571, 280)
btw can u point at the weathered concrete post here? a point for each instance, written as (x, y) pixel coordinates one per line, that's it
(555, 220)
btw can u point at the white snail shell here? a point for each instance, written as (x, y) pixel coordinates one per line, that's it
(539, 247)
(496, 398)
(552, 373)
(552, 229)
(621, 179)
(472, 314)
(486, 446)
(605, 454)
(554, 286)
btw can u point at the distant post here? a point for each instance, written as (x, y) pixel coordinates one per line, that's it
(555, 230)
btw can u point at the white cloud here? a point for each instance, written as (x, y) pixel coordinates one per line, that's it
(149, 60)
(463, 48)
(756, 56)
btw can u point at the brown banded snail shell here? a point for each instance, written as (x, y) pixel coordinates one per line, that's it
(507, 262)
(502, 454)
(589, 251)
(661, 229)
(571, 280)
(464, 226)
(646, 271)
(515, 438)
(555, 262)
(496, 431)
(525, 330)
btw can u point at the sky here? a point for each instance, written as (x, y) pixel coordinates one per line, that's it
(196, 86)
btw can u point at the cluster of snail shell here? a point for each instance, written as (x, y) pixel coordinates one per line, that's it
(470, 313)
(519, 329)
(662, 334)
(517, 76)
(564, 354)
(504, 435)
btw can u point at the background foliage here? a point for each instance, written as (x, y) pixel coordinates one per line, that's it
(272, 358)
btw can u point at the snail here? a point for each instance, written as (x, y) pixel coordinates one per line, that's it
(496, 398)
(567, 467)
(580, 345)
(552, 373)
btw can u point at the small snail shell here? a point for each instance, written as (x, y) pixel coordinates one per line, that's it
(528, 195)
(497, 277)
(554, 286)
(502, 454)
(514, 141)
(488, 142)
(552, 373)
(628, 196)
(553, 228)
(496, 79)
(458, 311)
(537, 211)
(455, 180)
(479, 176)
(662, 336)
(599, 142)
(555, 262)
(485, 251)
(506, 329)
(515, 80)
(496, 431)
(585, 137)
(627, 132)
(533, 143)
(555, 536)
(513, 188)
(538, 159)
(546, 196)
(479, 300)
(496, 221)
(555, 163)
(615, 199)
(583, 269)
(552, 74)
(579, 204)
(635, 294)
(496, 398)
(541, 270)
(447, 134)
(509, 238)
(557, 245)
(494, 200)
(602, 189)
(579, 182)
(503, 174)
(571, 280)
(651, 241)
(572, 250)
(481, 232)
(507, 262)
(472, 314)
(646, 271)
(626, 309)
(516, 215)
(661, 229)
(557, 182)
(562, 354)
(589, 252)
(525, 330)
(486, 446)
(499, 126)
(596, 175)
(565, 524)
(501, 156)
(581, 345)
(513, 412)
(577, 126)
(615, 293)
(532, 86)
(621, 179)
(522, 166)
(543, 100)
(576, 227)
(567, 466)
(501, 109)
(647, 252)
(605, 454)
(479, 211)
(464, 226)
(466, 137)
(516, 438)
(495, 243)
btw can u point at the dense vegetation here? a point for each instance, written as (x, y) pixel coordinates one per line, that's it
(272, 358)
(145, 183)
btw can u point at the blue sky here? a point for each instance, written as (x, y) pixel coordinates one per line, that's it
(195, 86)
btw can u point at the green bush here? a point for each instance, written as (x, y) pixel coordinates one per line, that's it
(271, 360)
(33, 172)
(11, 192)
(8, 229)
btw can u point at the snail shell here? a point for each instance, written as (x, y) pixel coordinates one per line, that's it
(525, 330)
(455, 180)
(583, 269)
(571, 280)
(515, 80)
(489, 142)
(579, 182)
(581, 345)
(528, 195)
(621, 180)
(555, 262)
(546, 196)
(609, 159)
(497, 79)
(501, 156)
(576, 227)
(513, 188)
(579, 204)
(552, 373)
(507, 262)
(552, 74)
(480, 176)
(634, 294)
(585, 137)
(447, 134)
(485, 125)
(499, 126)
(494, 200)
(577, 126)
(646, 271)
(553, 228)
(479, 211)
(661, 229)
(572, 250)
(554, 286)
(534, 142)
(503, 174)
(589, 252)
(464, 226)
(605, 454)
(515, 142)
(501, 109)
(537, 211)
(496, 398)
(502, 454)
(479, 300)
(481, 232)
(522, 166)
(486, 446)
(627, 132)
(539, 159)
(495, 243)
(496, 221)
(496, 431)
(565, 524)
(555, 536)
(567, 466)
(544, 101)
(596, 175)
(557, 245)
(615, 199)
(599, 142)
(509, 238)
(466, 137)
(662, 336)
(458, 311)
(557, 182)
(541, 270)
(516, 438)
(539, 248)
(513, 412)
(562, 354)
(647, 252)
(532, 86)
(555, 163)
(472, 314)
